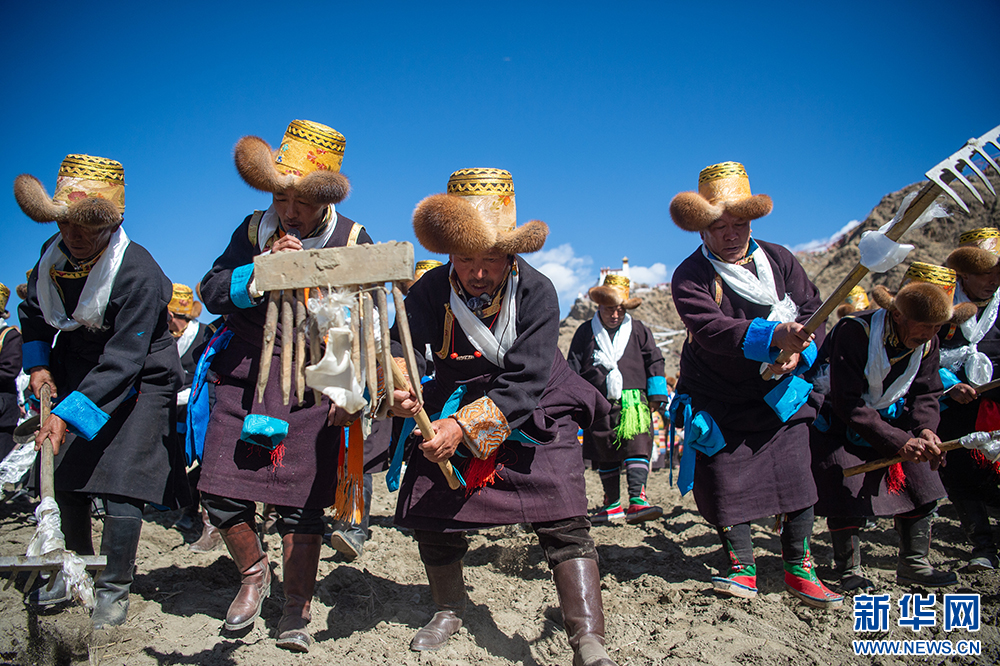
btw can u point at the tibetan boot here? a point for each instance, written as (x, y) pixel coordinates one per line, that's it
(210, 538)
(976, 525)
(609, 513)
(348, 538)
(300, 561)
(578, 582)
(913, 567)
(847, 560)
(741, 581)
(800, 570)
(448, 591)
(245, 549)
(118, 544)
(640, 510)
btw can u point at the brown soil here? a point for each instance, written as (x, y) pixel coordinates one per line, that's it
(655, 582)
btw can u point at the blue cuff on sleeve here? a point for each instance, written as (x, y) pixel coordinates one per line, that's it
(757, 342)
(656, 386)
(83, 416)
(807, 357)
(948, 378)
(34, 354)
(239, 286)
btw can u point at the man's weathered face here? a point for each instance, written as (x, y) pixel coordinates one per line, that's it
(611, 315)
(82, 242)
(913, 333)
(981, 287)
(728, 238)
(296, 213)
(480, 274)
(177, 323)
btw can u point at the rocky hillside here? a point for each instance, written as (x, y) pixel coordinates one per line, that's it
(826, 268)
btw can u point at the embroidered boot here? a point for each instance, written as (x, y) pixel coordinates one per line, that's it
(448, 590)
(741, 580)
(800, 570)
(300, 554)
(245, 549)
(578, 582)
(913, 567)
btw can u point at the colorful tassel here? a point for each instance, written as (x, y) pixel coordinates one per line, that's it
(480, 473)
(349, 503)
(635, 417)
(897, 479)
(278, 455)
(984, 462)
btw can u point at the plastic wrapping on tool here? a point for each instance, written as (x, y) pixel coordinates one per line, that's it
(48, 537)
(335, 375)
(17, 463)
(987, 443)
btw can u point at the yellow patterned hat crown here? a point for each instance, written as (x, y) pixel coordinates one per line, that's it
(4, 296)
(858, 298)
(985, 238)
(932, 274)
(619, 283)
(726, 182)
(308, 147)
(490, 191)
(84, 176)
(182, 302)
(423, 266)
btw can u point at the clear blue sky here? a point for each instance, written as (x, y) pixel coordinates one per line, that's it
(601, 111)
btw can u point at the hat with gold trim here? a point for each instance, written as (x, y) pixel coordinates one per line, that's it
(308, 160)
(856, 301)
(90, 192)
(614, 292)
(423, 266)
(4, 296)
(926, 295)
(476, 214)
(182, 302)
(721, 187)
(977, 252)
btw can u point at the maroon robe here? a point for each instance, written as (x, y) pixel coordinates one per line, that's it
(764, 468)
(868, 494)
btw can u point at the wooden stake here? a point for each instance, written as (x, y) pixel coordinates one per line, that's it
(387, 375)
(315, 354)
(300, 345)
(356, 339)
(403, 324)
(368, 330)
(287, 344)
(267, 349)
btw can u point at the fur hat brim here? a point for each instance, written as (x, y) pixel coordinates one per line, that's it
(692, 212)
(971, 261)
(923, 302)
(610, 297)
(91, 213)
(448, 224)
(255, 164)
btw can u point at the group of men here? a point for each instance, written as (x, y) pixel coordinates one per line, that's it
(506, 405)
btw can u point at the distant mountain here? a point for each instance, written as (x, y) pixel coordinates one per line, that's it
(826, 267)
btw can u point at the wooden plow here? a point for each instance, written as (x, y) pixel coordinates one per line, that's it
(360, 271)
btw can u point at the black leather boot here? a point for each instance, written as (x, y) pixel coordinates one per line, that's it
(847, 559)
(976, 525)
(578, 582)
(913, 567)
(119, 545)
(448, 590)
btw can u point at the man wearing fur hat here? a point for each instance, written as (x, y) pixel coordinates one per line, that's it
(248, 457)
(10, 366)
(970, 355)
(508, 408)
(114, 370)
(883, 402)
(743, 301)
(618, 355)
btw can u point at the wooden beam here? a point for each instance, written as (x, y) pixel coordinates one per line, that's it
(334, 266)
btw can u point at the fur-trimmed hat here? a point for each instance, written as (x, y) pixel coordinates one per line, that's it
(476, 215)
(182, 302)
(22, 291)
(308, 160)
(926, 296)
(90, 192)
(977, 252)
(614, 292)
(721, 187)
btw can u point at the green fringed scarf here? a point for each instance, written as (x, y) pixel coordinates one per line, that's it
(635, 417)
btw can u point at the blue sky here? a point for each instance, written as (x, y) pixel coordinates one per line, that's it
(601, 111)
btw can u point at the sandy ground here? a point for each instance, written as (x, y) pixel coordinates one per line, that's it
(655, 582)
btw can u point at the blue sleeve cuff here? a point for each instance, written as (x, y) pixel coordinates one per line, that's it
(239, 286)
(34, 354)
(807, 357)
(948, 378)
(757, 342)
(656, 386)
(83, 416)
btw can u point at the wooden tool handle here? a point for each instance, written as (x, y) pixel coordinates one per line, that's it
(424, 423)
(47, 473)
(885, 462)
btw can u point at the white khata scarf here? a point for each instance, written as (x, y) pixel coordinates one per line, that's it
(978, 367)
(758, 288)
(878, 366)
(608, 353)
(96, 291)
(269, 224)
(187, 337)
(493, 345)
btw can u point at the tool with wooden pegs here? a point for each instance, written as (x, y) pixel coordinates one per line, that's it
(360, 271)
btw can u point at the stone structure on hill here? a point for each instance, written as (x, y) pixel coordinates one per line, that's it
(826, 267)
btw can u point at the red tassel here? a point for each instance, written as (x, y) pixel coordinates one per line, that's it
(988, 416)
(480, 473)
(277, 455)
(897, 479)
(984, 462)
